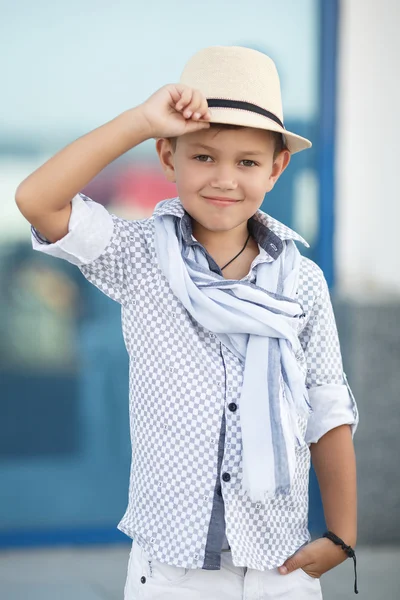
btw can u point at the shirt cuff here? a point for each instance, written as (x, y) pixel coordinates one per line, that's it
(333, 405)
(90, 230)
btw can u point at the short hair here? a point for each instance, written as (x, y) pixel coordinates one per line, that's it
(278, 138)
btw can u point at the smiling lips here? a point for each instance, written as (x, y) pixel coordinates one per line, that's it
(221, 201)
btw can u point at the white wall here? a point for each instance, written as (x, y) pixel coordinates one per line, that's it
(368, 143)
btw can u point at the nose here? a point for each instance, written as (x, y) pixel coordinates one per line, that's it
(224, 178)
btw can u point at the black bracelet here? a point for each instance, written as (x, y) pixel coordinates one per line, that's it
(349, 551)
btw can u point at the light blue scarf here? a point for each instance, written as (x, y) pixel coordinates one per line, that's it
(258, 323)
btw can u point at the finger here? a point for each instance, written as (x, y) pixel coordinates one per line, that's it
(196, 106)
(192, 126)
(297, 561)
(204, 110)
(202, 113)
(207, 114)
(185, 99)
(175, 92)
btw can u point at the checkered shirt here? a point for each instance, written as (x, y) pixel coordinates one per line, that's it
(182, 381)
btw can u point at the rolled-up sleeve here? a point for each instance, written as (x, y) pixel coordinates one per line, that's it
(90, 230)
(109, 251)
(330, 396)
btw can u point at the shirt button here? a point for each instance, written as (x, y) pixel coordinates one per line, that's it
(232, 406)
(226, 477)
(143, 579)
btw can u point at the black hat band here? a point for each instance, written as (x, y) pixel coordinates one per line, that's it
(218, 103)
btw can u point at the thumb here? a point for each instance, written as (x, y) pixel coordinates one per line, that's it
(191, 126)
(296, 561)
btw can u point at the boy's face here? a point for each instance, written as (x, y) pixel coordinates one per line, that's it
(213, 164)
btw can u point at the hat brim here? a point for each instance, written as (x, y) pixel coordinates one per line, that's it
(234, 116)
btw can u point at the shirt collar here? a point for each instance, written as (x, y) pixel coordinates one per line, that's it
(267, 231)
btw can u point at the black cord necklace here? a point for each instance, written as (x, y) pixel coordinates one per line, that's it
(222, 268)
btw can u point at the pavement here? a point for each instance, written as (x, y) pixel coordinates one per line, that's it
(99, 572)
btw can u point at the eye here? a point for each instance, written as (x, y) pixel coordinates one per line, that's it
(203, 157)
(249, 163)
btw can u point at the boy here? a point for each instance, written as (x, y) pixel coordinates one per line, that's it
(235, 367)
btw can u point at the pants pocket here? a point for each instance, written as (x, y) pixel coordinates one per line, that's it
(270, 585)
(149, 578)
(167, 575)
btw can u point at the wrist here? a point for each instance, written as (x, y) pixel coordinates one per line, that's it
(343, 544)
(135, 126)
(347, 550)
(348, 536)
(143, 122)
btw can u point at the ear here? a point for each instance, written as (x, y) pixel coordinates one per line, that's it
(166, 155)
(280, 164)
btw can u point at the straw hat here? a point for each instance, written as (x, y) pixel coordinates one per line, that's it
(242, 88)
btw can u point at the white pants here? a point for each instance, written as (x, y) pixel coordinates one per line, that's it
(151, 580)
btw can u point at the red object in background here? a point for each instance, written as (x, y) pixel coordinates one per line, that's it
(143, 185)
(101, 188)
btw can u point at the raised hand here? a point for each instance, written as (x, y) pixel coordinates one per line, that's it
(174, 110)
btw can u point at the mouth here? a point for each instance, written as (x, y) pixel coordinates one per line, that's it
(220, 200)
